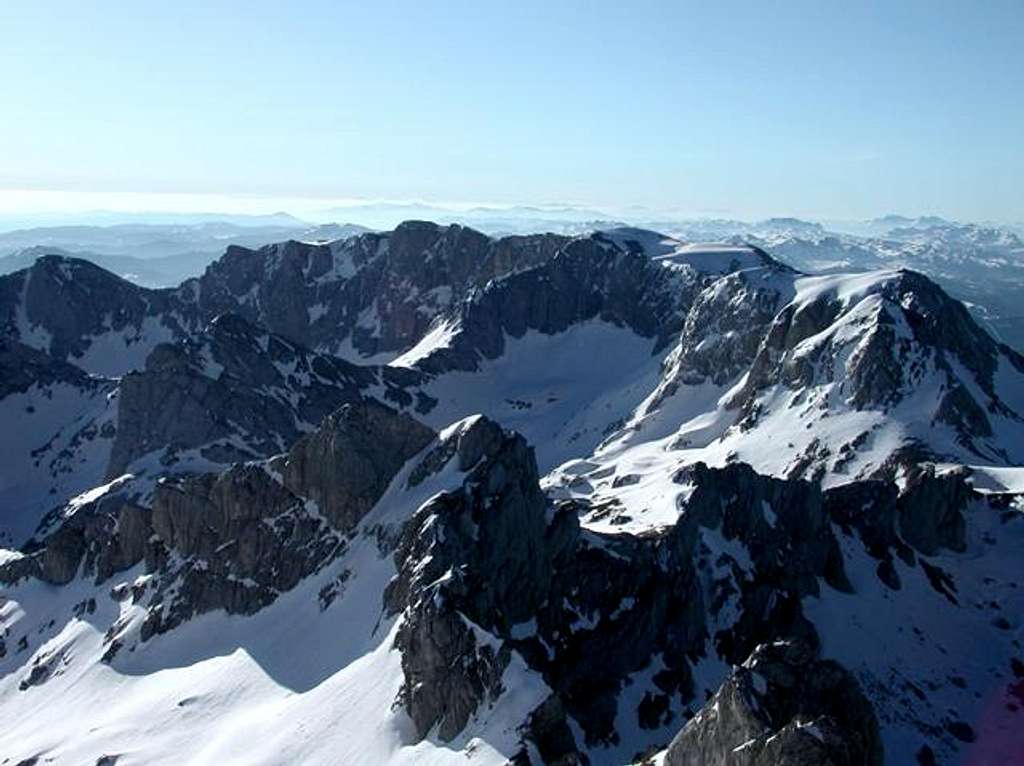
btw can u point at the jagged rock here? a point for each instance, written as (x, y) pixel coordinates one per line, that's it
(238, 393)
(723, 331)
(437, 692)
(733, 499)
(490, 555)
(236, 539)
(492, 572)
(317, 295)
(548, 730)
(908, 332)
(494, 554)
(346, 465)
(22, 367)
(473, 440)
(66, 302)
(493, 528)
(247, 536)
(473, 553)
(403, 278)
(931, 510)
(44, 667)
(587, 278)
(960, 410)
(100, 538)
(784, 705)
(239, 538)
(871, 508)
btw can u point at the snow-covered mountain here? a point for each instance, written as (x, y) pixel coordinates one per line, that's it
(981, 265)
(430, 496)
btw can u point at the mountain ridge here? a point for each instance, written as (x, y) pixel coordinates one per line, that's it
(563, 495)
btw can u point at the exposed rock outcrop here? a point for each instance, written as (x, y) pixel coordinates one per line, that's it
(61, 304)
(234, 540)
(588, 278)
(723, 330)
(784, 705)
(875, 347)
(364, 295)
(22, 367)
(347, 463)
(238, 392)
(373, 293)
(469, 561)
(231, 541)
(491, 567)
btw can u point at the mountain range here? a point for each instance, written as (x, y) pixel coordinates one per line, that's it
(977, 263)
(430, 495)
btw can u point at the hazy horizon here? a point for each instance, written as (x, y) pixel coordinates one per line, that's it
(35, 208)
(747, 112)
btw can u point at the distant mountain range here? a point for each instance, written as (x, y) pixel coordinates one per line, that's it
(150, 254)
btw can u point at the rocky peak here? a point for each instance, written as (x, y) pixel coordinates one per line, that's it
(489, 569)
(891, 343)
(588, 278)
(605, 609)
(475, 556)
(491, 576)
(421, 245)
(896, 314)
(373, 293)
(60, 305)
(784, 705)
(722, 332)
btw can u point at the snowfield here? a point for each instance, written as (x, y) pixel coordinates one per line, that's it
(293, 684)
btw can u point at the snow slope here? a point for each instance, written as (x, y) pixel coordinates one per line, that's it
(55, 444)
(296, 683)
(563, 392)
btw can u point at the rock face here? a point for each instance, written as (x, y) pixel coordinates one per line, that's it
(484, 545)
(490, 574)
(588, 278)
(784, 705)
(892, 346)
(491, 569)
(234, 540)
(617, 589)
(869, 345)
(238, 392)
(366, 295)
(22, 367)
(61, 305)
(377, 293)
(231, 541)
(347, 463)
(723, 329)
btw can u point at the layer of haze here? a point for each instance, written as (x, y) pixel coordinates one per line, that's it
(819, 109)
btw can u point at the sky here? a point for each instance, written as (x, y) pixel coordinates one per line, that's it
(733, 109)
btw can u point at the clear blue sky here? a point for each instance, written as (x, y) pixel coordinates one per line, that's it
(827, 109)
